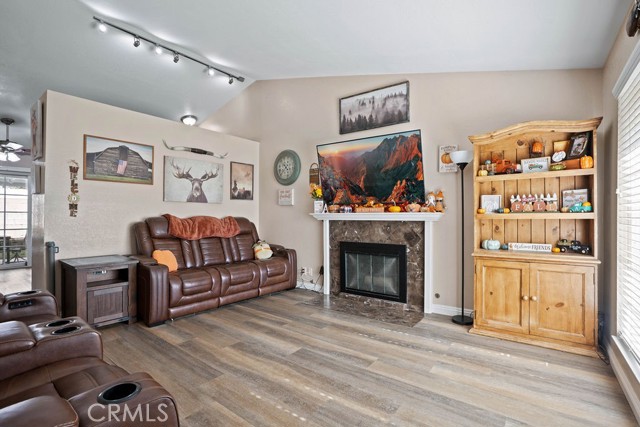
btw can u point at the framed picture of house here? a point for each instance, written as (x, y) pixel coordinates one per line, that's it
(107, 159)
(241, 181)
(192, 181)
(385, 106)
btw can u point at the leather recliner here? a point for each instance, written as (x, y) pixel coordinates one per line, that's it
(211, 271)
(52, 373)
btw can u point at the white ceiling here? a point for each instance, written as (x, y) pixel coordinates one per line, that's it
(46, 44)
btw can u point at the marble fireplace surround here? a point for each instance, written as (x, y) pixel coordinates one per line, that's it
(411, 229)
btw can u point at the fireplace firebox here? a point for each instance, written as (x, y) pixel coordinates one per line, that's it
(374, 270)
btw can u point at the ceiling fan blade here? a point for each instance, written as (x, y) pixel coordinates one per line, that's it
(13, 145)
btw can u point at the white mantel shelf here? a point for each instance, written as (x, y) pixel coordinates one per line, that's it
(427, 217)
(379, 216)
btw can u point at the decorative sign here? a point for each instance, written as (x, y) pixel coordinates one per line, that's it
(445, 164)
(540, 164)
(531, 247)
(285, 197)
(73, 197)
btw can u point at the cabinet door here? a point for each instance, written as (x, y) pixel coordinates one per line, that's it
(107, 303)
(562, 302)
(499, 289)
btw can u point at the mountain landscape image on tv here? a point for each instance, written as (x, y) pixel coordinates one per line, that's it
(386, 167)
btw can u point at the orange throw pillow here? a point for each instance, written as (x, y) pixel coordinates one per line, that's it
(166, 258)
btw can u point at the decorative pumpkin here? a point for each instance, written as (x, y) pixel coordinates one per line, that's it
(537, 148)
(492, 245)
(481, 210)
(413, 207)
(395, 208)
(586, 162)
(483, 172)
(555, 250)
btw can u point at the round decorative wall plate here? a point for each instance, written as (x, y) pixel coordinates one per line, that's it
(286, 167)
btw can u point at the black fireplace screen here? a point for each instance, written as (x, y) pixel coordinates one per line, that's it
(374, 269)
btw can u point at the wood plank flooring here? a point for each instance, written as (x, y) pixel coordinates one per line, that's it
(274, 361)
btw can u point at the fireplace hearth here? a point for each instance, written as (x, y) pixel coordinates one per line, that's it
(374, 270)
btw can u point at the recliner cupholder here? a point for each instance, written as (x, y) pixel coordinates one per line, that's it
(66, 330)
(58, 323)
(119, 393)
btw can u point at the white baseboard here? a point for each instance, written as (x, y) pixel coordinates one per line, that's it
(447, 310)
(627, 371)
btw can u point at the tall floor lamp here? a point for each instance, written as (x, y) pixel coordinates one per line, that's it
(462, 159)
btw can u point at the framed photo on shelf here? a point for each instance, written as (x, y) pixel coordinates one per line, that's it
(571, 197)
(579, 145)
(539, 164)
(490, 202)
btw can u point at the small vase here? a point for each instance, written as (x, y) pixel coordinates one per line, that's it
(318, 206)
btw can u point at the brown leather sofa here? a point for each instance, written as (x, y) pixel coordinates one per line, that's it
(211, 271)
(52, 373)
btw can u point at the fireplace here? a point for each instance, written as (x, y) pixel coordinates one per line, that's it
(374, 270)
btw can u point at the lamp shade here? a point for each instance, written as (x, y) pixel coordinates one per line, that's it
(461, 156)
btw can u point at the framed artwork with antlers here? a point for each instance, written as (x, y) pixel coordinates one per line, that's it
(107, 159)
(192, 181)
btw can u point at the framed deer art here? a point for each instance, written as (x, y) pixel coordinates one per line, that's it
(192, 181)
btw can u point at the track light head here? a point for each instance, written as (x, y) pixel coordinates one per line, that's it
(176, 57)
(136, 41)
(210, 71)
(102, 27)
(230, 80)
(158, 50)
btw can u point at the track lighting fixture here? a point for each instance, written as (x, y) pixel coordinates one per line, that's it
(189, 119)
(102, 26)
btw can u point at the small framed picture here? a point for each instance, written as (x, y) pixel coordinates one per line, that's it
(241, 181)
(579, 145)
(571, 197)
(540, 164)
(445, 164)
(490, 202)
(285, 197)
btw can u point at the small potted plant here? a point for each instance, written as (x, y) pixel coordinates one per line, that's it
(316, 194)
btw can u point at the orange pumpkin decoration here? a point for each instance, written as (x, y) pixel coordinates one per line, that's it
(586, 162)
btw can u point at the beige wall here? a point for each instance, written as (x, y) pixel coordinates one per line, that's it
(107, 210)
(298, 114)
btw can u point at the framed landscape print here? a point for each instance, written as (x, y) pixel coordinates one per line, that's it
(388, 168)
(241, 181)
(107, 159)
(192, 181)
(377, 108)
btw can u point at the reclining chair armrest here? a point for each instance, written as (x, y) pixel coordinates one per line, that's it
(290, 254)
(143, 259)
(27, 304)
(42, 411)
(153, 293)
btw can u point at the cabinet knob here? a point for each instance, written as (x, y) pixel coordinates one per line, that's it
(525, 298)
(534, 298)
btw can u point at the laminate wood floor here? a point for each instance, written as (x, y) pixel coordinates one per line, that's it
(274, 361)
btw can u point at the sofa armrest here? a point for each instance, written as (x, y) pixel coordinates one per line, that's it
(153, 293)
(27, 304)
(290, 254)
(143, 259)
(41, 411)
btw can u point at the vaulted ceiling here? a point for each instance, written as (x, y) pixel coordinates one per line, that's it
(47, 44)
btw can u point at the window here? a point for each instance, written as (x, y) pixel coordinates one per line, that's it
(14, 220)
(628, 221)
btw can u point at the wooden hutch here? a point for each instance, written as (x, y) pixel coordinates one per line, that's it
(543, 298)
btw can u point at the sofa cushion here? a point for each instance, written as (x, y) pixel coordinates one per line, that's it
(166, 258)
(213, 252)
(15, 337)
(193, 285)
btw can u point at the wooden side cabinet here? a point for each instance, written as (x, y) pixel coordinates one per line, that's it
(548, 304)
(101, 290)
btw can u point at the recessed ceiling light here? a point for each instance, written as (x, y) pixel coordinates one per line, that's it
(189, 119)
